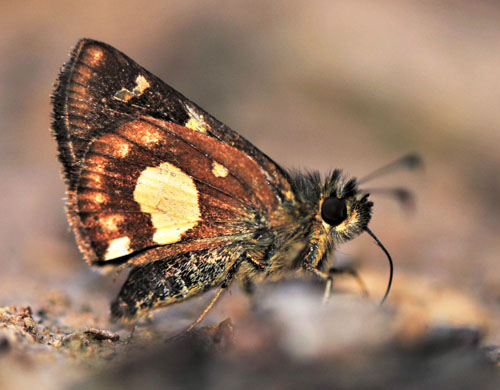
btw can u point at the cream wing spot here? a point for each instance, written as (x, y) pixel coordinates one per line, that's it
(141, 84)
(117, 248)
(171, 198)
(219, 170)
(196, 122)
(123, 95)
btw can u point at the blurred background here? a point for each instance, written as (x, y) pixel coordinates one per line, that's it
(315, 85)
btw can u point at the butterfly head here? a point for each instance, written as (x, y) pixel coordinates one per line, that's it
(343, 208)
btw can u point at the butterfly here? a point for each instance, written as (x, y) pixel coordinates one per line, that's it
(158, 185)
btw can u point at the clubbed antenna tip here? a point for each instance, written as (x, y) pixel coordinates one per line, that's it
(410, 161)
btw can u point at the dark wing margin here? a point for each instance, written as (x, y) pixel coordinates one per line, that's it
(99, 89)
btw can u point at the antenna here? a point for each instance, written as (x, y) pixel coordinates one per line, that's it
(401, 195)
(390, 263)
(410, 161)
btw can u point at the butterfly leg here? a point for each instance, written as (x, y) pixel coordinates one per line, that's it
(227, 281)
(247, 283)
(328, 277)
(248, 286)
(205, 312)
(353, 273)
(313, 259)
(328, 289)
(322, 276)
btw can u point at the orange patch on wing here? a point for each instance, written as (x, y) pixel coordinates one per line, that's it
(110, 223)
(94, 179)
(112, 144)
(94, 197)
(78, 89)
(82, 75)
(141, 133)
(97, 163)
(93, 55)
(79, 105)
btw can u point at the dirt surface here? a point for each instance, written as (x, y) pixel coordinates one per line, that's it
(316, 85)
(287, 340)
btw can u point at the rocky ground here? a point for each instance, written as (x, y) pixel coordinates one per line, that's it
(286, 339)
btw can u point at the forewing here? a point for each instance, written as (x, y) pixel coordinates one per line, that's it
(146, 168)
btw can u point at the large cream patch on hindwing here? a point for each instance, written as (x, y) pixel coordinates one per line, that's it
(171, 198)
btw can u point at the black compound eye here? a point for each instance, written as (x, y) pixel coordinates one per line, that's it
(333, 211)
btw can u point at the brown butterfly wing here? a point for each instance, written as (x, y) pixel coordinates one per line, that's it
(149, 173)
